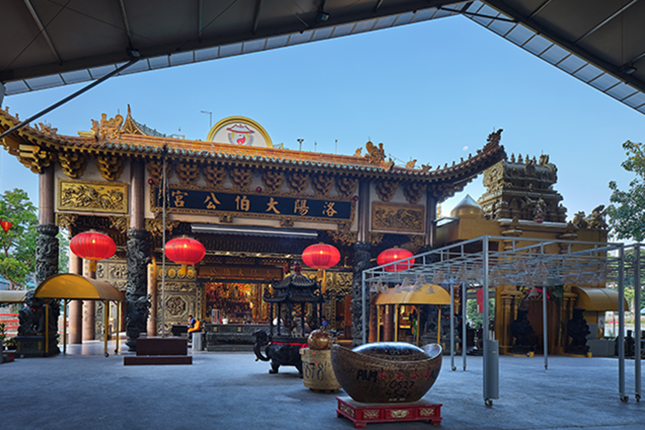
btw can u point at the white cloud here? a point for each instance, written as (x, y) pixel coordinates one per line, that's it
(466, 148)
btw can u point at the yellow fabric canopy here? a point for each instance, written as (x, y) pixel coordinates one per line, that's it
(7, 296)
(597, 299)
(439, 297)
(76, 287)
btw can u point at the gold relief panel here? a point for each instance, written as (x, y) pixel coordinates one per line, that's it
(120, 223)
(398, 217)
(92, 196)
(153, 226)
(343, 237)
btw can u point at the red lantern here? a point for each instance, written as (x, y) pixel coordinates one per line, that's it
(185, 251)
(395, 254)
(6, 225)
(93, 246)
(321, 256)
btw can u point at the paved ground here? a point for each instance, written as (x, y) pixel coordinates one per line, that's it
(233, 391)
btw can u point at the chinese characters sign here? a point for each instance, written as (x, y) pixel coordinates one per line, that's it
(247, 204)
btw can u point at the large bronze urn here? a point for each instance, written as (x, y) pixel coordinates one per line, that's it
(386, 372)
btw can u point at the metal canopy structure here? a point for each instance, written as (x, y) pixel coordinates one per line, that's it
(488, 261)
(49, 43)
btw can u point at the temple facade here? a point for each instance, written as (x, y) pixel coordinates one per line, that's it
(254, 206)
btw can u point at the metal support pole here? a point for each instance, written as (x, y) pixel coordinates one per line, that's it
(621, 325)
(464, 334)
(452, 327)
(163, 247)
(106, 329)
(47, 329)
(491, 354)
(544, 329)
(363, 305)
(118, 326)
(637, 322)
(65, 326)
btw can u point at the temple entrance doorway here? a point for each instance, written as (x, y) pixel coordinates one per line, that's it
(236, 302)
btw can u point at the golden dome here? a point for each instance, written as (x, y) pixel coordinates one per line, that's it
(467, 208)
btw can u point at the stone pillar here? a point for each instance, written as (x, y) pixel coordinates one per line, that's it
(89, 308)
(75, 306)
(136, 287)
(152, 292)
(361, 262)
(431, 216)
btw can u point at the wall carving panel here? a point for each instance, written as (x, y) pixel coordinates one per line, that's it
(396, 217)
(92, 196)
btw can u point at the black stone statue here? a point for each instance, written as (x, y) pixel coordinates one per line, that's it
(578, 330)
(522, 330)
(136, 287)
(362, 258)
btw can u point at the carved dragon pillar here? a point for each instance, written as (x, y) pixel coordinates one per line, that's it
(362, 257)
(136, 288)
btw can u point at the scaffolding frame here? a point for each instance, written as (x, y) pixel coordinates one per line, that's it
(531, 262)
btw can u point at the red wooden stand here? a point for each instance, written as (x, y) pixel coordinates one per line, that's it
(363, 413)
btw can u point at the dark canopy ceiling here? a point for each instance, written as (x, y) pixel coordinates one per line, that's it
(48, 43)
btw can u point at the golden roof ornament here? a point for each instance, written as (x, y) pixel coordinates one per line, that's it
(107, 129)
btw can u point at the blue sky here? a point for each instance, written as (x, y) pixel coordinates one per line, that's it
(426, 91)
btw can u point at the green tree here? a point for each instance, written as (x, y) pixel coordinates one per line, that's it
(18, 244)
(627, 208)
(475, 318)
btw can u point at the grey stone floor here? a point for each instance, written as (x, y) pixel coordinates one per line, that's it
(85, 390)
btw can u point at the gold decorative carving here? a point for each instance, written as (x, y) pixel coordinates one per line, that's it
(399, 413)
(343, 237)
(107, 129)
(46, 129)
(376, 238)
(72, 163)
(286, 222)
(322, 184)
(120, 223)
(417, 240)
(426, 412)
(226, 219)
(110, 166)
(347, 410)
(66, 220)
(214, 175)
(375, 154)
(155, 168)
(241, 178)
(346, 186)
(34, 157)
(344, 226)
(396, 217)
(187, 172)
(273, 180)
(93, 196)
(298, 182)
(413, 191)
(153, 226)
(358, 152)
(410, 164)
(443, 191)
(371, 414)
(386, 188)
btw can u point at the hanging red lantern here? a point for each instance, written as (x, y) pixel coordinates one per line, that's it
(6, 225)
(321, 256)
(185, 251)
(93, 246)
(395, 254)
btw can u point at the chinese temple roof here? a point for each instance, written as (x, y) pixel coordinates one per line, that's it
(40, 145)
